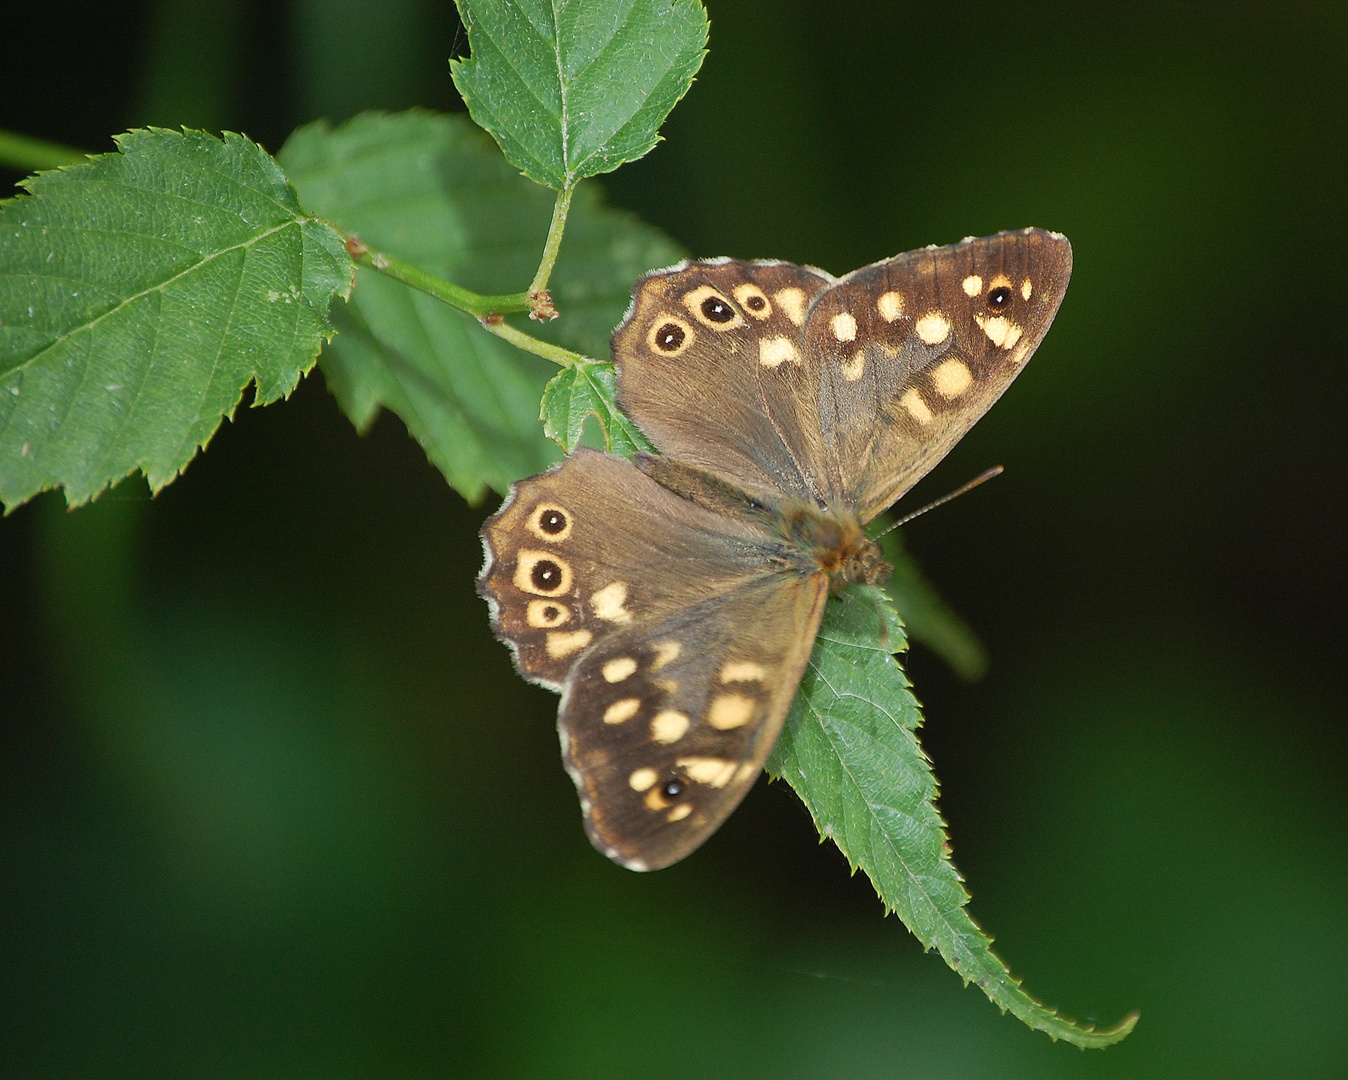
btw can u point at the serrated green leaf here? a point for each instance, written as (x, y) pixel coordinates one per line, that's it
(434, 191)
(850, 751)
(583, 391)
(140, 293)
(927, 617)
(574, 88)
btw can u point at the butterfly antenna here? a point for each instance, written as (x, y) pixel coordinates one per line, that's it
(963, 489)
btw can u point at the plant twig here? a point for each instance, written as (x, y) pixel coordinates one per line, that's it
(27, 154)
(540, 302)
(563, 357)
(488, 310)
(474, 304)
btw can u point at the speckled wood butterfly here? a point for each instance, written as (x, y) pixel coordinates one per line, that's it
(673, 600)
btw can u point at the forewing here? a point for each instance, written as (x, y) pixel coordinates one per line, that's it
(711, 367)
(593, 547)
(913, 350)
(665, 725)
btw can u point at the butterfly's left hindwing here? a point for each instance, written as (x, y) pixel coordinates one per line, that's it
(665, 726)
(593, 547)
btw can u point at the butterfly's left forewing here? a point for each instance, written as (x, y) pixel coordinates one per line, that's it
(666, 725)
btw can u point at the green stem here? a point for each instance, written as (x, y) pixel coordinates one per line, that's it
(488, 310)
(29, 155)
(474, 304)
(554, 241)
(564, 357)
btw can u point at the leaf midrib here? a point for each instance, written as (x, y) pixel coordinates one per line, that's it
(150, 290)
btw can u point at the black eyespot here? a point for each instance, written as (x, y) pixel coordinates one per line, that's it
(673, 788)
(669, 337)
(999, 297)
(552, 522)
(714, 309)
(546, 575)
(755, 303)
(550, 613)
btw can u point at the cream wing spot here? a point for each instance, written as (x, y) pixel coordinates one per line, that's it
(669, 335)
(774, 351)
(623, 710)
(542, 573)
(1000, 330)
(854, 366)
(712, 309)
(844, 326)
(933, 328)
(608, 603)
(730, 711)
(714, 772)
(618, 669)
(745, 771)
(669, 726)
(643, 779)
(952, 378)
(656, 800)
(972, 285)
(563, 643)
(742, 671)
(546, 614)
(550, 522)
(890, 306)
(679, 812)
(915, 406)
(753, 300)
(792, 301)
(1026, 289)
(665, 652)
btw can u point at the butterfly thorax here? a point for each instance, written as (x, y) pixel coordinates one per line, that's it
(813, 538)
(832, 540)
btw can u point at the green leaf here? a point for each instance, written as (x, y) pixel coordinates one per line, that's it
(574, 88)
(140, 293)
(583, 391)
(850, 750)
(433, 190)
(927, 617)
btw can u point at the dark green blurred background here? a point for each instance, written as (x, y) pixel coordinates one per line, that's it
(272, 803)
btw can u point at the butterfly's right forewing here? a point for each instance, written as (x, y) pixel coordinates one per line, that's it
(913, 350)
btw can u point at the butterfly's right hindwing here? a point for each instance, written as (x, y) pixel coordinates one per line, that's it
(665, 726)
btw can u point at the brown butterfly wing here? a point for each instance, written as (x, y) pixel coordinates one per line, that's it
(665, 725)
(595, 546)
(910, 352)
(711, 367)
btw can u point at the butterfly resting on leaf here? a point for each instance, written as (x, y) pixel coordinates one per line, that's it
(674, 600)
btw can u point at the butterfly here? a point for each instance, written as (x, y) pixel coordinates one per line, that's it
(673, 600)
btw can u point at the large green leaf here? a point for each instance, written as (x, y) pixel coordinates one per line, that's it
(850, 751)
(574, 88)
(139, 295)
(432, 190)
